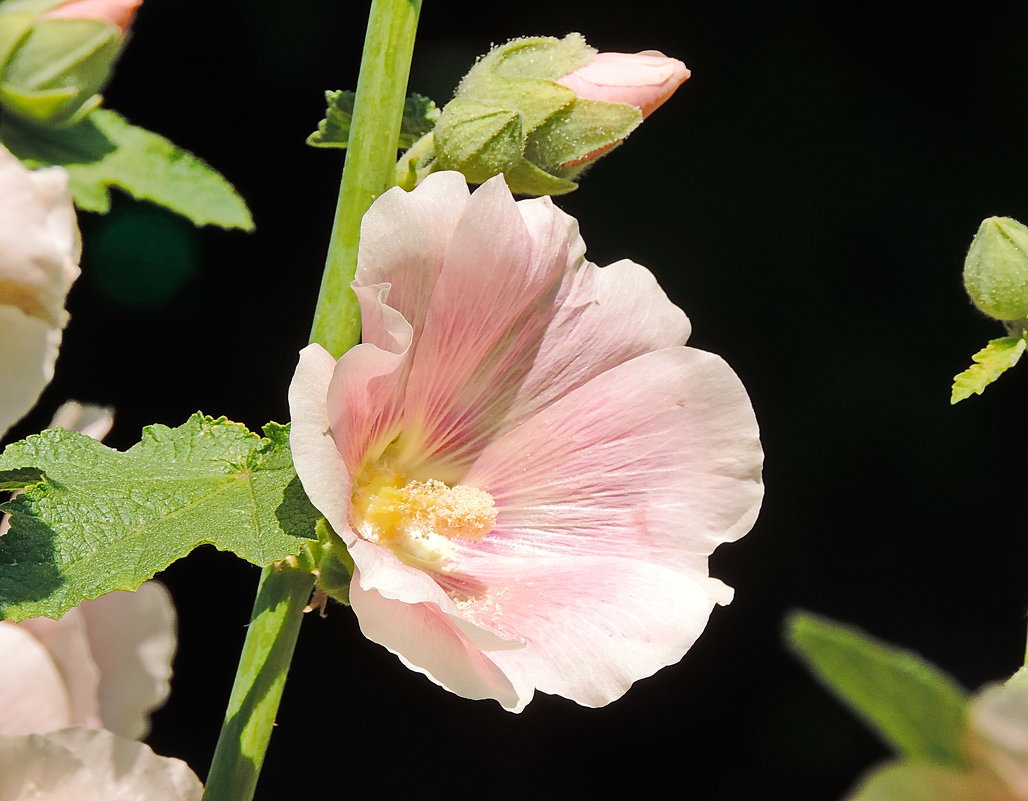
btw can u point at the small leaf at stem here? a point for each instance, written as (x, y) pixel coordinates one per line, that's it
(92, 519)
(915, 707)
(419, 116)
(989, 364)
(105, 150)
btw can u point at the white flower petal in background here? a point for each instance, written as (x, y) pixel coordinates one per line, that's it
(90, 765)
(39, 253)
(106, 663)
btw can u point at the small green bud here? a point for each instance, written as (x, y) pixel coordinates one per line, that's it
(52, 65)
(996, 269)
(540, 110)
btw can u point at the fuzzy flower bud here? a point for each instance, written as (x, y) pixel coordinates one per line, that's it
(56, 56)
(996, 269)
(539, 110)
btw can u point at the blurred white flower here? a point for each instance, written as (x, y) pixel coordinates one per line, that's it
(39, 253)
(106, 663)
(90, 765)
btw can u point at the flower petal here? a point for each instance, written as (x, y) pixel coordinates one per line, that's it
(594, 626)
(606, 316)
(28, 352)
(39, 248)
(33, 767)
(67, 644)
(317, 460)
(33, 696)
(656, 459)
(491, 303)
(132, 638)
(127, 770)
(430, 642)
(404, 236)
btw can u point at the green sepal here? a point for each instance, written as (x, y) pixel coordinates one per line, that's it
(989, 364)
(524, 178)
(332, 564)
(14, 29)
(536, 101)
(104, 150)
(916, 708)
(478, 139)
(91, 519)
(419, 117)
(590, 128)
(543, 58)
(55, 73)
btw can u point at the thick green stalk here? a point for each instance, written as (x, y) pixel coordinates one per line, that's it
(282, 594)
(285, 588)
(370, 163)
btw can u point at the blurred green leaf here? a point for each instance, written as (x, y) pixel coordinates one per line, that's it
(104, 150)
(914, 707)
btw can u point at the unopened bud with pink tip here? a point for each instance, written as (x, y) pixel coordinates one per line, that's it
(540, 110)
(644, 80)
(117, 12)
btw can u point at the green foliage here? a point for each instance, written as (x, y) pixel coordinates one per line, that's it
(419, 116)
(917, 709)
(92, 519)
(990, 363)
(104, 150)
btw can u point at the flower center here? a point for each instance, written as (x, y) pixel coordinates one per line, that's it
(419, 520)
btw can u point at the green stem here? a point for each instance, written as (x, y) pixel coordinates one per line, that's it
(282, 594)
(370, 163)
(285, 588)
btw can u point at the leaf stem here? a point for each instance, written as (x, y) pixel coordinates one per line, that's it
(282, 594)
(370, 163)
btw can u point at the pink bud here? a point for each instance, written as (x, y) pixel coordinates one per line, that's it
(117, 12)
(644, 80)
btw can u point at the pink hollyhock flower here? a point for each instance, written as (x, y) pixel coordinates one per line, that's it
(996, 745)
(106, 663)
(528, 468)
(90, 765)
(39, 252)
(119, 13)
(644, 80)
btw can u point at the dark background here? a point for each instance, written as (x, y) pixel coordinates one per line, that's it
(807, 197)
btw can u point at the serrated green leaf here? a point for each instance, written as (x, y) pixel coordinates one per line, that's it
(97, 520)
(990, 363)
(916, 708)
(104, 150)
(419, 116)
